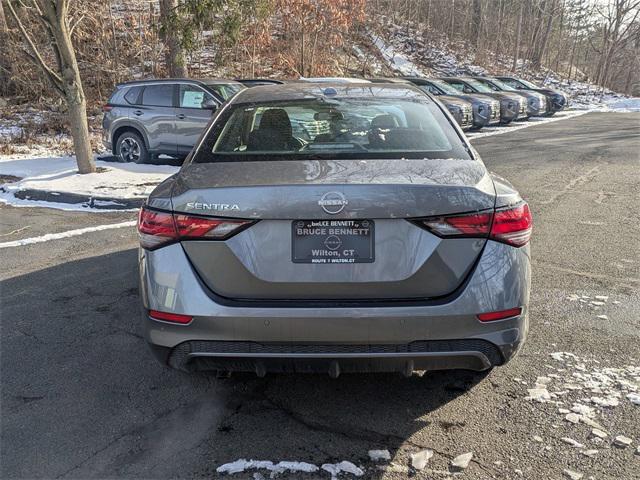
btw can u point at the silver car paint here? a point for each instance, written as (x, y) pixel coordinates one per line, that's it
(536, 102)
(165, 130)
(500, 280)
(411, 263)
(507, 114)
(374, 188)
(174, 278)
(480, 119)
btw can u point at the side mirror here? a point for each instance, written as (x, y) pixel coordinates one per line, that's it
(210, 104)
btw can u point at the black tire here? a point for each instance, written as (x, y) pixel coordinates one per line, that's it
(130, 147)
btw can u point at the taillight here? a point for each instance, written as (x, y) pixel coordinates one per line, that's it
(197, 227)
(107, 108)
(511, 225)
(157, 228)
(468, 225)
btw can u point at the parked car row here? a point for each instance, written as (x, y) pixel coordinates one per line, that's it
(149, 118)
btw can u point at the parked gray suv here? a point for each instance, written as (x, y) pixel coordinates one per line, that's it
(145, 119)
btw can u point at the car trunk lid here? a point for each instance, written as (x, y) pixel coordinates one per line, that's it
(395, 259)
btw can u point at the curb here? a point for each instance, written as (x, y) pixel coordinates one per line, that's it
(100, 203)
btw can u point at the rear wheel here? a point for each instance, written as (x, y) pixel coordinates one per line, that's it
(131, 148)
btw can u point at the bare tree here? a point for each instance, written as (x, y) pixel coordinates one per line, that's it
(64, 76)
(619, 28)
(516, 49)
(5, 66)
(174, 53)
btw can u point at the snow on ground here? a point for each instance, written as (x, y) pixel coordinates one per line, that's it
(580, 395)
(414, 50)
(513, 126)
(59, 175)
(397, 60)
(334, 469)
(586, 96)
(69, 233)
(606, 103)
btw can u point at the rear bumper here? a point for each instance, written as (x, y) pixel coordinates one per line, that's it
(106, 140)
(476, 355)
(431, 336)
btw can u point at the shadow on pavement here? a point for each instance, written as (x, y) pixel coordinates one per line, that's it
(82, 397)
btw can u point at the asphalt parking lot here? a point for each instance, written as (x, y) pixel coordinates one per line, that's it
(83, 398)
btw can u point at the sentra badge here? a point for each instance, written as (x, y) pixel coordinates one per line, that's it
(212, 206)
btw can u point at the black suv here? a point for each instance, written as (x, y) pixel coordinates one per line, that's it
(148, 118)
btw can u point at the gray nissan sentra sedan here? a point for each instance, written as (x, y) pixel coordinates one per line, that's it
(380, 242)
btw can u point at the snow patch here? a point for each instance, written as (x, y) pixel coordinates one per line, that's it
(514, 126)
(397, 60)
(60, 175)
(336, 469)
(242, 465)
(378, 455)
(70, 233)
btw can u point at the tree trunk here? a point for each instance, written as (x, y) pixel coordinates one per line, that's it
(453, 19)
(73, 93)
(80, 133)
(173, 53)
(540, 46)
(476, 23)
(5, 62)
(516, 50)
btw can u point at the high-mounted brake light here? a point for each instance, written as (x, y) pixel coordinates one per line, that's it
(157, 228)
(511, 225)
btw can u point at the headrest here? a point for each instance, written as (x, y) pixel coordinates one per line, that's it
(384, 121)
(275, 119)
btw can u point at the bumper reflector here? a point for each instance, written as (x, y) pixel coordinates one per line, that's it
(170, 317)
(502, 314)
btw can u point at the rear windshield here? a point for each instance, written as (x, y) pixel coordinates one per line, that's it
(501, 85)
(332, 128)
(527, 83)
(445, 87)
(480, 87)
(226, 90)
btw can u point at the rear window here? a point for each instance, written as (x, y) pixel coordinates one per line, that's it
(226, 90)
(158, 95)
(133, 95)
(334, 128)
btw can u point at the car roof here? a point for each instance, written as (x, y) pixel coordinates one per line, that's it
(218, 81)
(463, 78)
(266, 81)
(388, 80)
(302, 91)
(334, 80)
(419, 80)
(203, 81)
